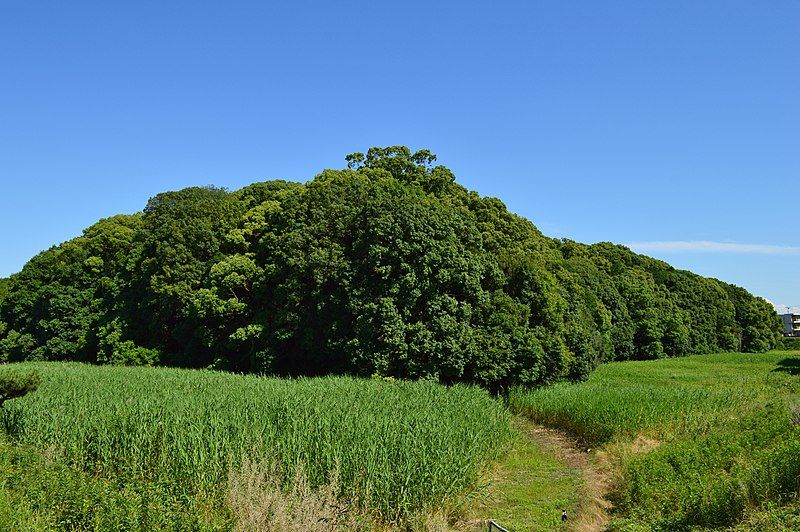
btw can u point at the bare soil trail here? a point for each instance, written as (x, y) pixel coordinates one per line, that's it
(546, 470)
(590, 513)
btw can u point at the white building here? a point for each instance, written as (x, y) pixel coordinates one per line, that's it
(791, 324)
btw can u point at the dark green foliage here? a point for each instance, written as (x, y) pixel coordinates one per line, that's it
(388, 267)
(758, 326)
(56, 305)
(14, 384)
(791, 344)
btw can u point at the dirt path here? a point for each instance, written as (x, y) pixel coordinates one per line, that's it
(591, 509)
(545, 471)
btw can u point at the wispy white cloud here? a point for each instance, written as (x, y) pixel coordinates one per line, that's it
(707, 246)
(786, 309)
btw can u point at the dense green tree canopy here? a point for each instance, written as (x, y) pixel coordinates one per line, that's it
(388, 266)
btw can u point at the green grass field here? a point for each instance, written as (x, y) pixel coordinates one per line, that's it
(396, 449)
(702, 441)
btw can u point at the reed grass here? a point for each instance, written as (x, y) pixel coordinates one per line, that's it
(398, 448)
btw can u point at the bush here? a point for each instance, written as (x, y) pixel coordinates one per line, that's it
(112, 349)
(791, 344)
(129, 354)
(14, 384)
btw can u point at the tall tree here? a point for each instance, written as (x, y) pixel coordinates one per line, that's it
(388, 266)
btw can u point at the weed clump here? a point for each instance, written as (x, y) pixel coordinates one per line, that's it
(15, 384)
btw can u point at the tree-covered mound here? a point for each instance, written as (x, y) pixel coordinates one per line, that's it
(385, 267)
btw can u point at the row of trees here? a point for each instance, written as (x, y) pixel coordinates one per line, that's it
(388, 266)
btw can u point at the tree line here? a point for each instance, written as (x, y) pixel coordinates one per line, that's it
(388, 266)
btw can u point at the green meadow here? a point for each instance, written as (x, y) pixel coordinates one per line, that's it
(704, 441)
(701, 442)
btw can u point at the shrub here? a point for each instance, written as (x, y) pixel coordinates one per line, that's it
(14, 384)
(791, 344)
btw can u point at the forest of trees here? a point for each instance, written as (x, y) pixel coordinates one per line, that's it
(385, 267)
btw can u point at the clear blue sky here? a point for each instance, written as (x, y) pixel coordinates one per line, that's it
(636, 122)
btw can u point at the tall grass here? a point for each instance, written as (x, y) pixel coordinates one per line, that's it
(398, 448)
(39, 494)
(722, 440)
(599, 411)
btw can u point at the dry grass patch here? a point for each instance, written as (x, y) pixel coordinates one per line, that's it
(261, 504)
